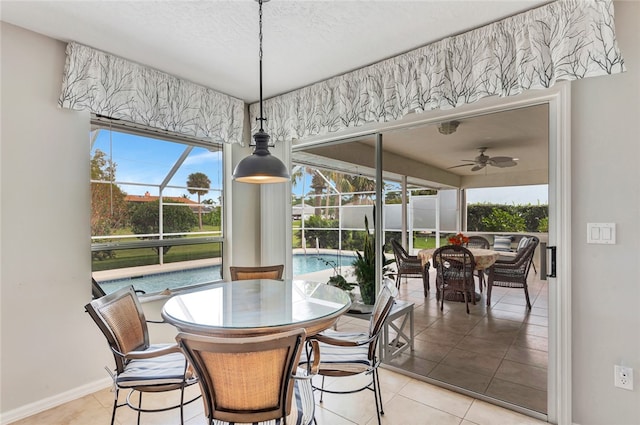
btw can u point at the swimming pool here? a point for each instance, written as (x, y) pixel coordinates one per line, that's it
(152, 283)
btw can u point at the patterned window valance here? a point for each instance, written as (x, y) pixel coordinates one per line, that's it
(564, 40)
(114, 87)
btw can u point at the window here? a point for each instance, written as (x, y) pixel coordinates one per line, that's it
(156, 201)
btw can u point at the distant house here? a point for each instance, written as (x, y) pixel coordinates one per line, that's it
(297, 211)
(147, 197)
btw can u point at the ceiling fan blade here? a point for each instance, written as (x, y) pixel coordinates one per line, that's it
(497, 159)
(502, 162)
(478, 167)
(461, 165)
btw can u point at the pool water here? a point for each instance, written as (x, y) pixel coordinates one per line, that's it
(309, 263)
(152, 283)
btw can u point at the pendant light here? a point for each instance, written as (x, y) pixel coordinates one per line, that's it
(261, 166)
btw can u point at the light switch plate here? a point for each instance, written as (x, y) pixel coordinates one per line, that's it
(601, 233)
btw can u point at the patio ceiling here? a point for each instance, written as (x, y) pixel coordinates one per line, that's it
(425, 155)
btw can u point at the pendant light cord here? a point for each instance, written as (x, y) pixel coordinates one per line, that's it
(261, 119)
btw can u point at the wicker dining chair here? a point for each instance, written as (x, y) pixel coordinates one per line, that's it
(252, 379)
(409, 266)
(455, 266)
(513, 273)
(480, 243)
(139, 366)
(256, 272)
(345, 354)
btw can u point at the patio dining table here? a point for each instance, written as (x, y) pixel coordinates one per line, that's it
(257, 307)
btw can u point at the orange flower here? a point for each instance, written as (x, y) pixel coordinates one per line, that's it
(458, 239)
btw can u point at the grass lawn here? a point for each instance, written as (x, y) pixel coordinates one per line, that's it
(146, 256)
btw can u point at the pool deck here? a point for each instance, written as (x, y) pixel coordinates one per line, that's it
(154, 268)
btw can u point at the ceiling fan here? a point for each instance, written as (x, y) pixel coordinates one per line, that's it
(482, 160)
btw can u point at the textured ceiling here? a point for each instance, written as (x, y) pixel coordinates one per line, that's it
(215, 43)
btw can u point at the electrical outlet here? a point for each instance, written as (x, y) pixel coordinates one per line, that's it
(623, 377)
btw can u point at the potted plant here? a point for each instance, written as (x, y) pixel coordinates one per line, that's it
(364, 267)
(337, 279)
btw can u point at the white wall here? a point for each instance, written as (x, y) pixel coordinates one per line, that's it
(52, 351)
(606, 278)
(49, 345)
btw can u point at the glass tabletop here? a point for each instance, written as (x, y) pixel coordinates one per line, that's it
(257, 306)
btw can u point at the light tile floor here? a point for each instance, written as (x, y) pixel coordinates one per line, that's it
(500, 352)
(406, 401)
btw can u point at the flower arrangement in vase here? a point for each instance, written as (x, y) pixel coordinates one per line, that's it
(458, 239)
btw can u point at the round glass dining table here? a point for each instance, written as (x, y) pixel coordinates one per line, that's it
(256, 307)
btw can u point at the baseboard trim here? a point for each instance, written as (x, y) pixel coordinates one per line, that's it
(54, 401)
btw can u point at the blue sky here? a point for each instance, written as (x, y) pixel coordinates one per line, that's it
(141, 159)
(514, 195)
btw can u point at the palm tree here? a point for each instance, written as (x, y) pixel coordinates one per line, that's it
(318, 185)
(200, 184)
(359, 184)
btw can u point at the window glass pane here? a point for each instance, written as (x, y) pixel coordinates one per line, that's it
(154, 202)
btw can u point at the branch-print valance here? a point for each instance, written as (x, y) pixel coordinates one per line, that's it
(564, 40)
(116, 88)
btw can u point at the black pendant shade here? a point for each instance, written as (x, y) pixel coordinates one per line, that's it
(261, 166)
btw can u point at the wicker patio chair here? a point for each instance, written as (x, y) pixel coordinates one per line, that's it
(513, 273)
(478, 242)
(455, 268)
(409, 266)
(257, 272)
(252, 379)
(140, 366)
(349, 354)
(481, 243)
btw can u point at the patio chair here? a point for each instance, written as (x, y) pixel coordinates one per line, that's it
(524, 241)
(481, 243)
(513, 273)
(256, 272)
(252, 379)
(350, 354)
(478, 242)
(455, 267)
(139, 366)
(409, 266)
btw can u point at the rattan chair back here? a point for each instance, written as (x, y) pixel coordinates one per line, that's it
(120, 317)
(381, 309)
(455, 267)
(257, 272)
(478, 242)
(409, 266)
(245, 380)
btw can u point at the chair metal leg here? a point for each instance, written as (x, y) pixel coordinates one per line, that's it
(466, 299)
(182, 406)
(322, 389)
(526, 294)
(115, 405)
(376, 388)
(425, 279)
(139, 406)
